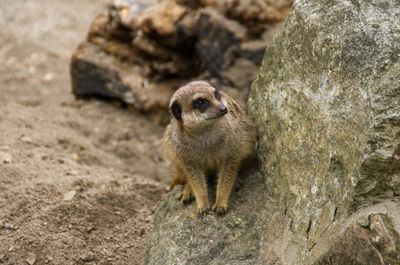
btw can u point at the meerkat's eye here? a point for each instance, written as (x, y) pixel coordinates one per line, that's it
(200, 104)
(217, 95)
(199, 101)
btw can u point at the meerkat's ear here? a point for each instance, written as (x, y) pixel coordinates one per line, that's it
(176, 110)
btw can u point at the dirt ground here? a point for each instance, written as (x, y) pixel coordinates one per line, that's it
(79, 180)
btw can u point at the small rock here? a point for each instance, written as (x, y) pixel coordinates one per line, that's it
(90, 229)
(87, 257)
(31, 259)
(363, 221)
(26, 139)
(72, 173)
(49, 259)
(5, 158)
(48, 77)
(74, 156)
(9, 226)
(161, 18)
(382, 237)
(69, 195)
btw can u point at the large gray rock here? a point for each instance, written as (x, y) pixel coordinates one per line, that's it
(327, 105)
(180, 237)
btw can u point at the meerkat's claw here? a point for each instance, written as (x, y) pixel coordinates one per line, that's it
(202, 211)
(220, 210)
(186, 198)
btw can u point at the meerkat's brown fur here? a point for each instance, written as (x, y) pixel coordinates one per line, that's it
(209, 133)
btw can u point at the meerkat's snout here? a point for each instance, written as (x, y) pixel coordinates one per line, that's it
(217, 112)
(223, 109)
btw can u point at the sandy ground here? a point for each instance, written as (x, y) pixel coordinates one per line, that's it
(79, 180)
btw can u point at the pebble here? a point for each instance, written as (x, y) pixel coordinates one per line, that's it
(363, 221)
(87, 257)
(74, 156)
(48, 77)
(9, 226)
(69, 195)
(5, 158)
(49, 259)
(31, 259)
(72, 173)
(90, 229)
(26, 139)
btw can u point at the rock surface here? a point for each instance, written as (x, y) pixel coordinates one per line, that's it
(327, 105)
(370, 237)
(180, 237)
(140, 52)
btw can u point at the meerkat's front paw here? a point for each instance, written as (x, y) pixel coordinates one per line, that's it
(220, 210)
(201, 211)
(186, 197)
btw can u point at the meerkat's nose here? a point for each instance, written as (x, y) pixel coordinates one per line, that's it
(223, 109)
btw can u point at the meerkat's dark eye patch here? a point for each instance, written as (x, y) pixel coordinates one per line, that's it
(201, 104)
(176, 110)
(217, 95)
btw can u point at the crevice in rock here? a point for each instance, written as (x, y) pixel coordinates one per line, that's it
(313, 245)
(309, 228)
(334, 215)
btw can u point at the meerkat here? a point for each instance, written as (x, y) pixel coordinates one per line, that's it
(209, 133)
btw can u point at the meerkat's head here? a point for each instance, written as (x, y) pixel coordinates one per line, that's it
(197, 105)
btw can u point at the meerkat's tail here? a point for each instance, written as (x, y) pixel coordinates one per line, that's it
(174, 182)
